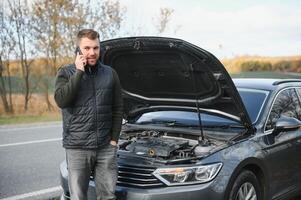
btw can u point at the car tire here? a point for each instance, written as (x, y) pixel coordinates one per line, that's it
(246, 187)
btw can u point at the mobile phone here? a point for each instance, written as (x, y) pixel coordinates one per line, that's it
(77, 50)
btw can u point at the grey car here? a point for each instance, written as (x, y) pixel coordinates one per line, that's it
(191, 132)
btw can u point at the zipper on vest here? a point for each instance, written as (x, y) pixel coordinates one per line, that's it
(95, 105)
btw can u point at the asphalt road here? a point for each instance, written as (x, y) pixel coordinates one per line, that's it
(29, 161)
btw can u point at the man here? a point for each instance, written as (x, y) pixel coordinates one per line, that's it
(89, 94)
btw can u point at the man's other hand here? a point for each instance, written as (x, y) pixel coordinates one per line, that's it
(112, 142)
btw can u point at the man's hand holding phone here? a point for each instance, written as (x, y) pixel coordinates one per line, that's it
(80, 61)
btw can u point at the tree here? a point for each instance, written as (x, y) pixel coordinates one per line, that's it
(8, 106)
(163, 19)
(56, 23)
(106, 18)
(20, 21)
(7, 45)
(53, 21)
(76, 15)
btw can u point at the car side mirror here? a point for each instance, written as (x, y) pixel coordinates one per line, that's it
(286, 124)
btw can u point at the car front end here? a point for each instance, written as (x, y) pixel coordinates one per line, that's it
(191, 172)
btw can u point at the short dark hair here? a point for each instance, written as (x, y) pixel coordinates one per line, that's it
(87, 33)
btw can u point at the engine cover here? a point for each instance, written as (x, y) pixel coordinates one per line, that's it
(156, 146)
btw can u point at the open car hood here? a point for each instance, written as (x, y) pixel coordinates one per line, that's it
(171, 74)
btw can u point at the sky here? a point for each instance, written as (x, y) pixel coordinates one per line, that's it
(226, 28)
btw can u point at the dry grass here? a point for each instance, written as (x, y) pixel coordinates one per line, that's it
(37, 110)
(36, 106)
(233, 64)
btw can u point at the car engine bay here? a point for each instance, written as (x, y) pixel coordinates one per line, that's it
(165, 146)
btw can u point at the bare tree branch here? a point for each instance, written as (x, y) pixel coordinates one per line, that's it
(163, 19)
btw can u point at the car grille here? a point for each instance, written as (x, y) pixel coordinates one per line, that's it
(137, 177)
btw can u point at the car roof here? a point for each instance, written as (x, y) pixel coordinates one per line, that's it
(265, 84)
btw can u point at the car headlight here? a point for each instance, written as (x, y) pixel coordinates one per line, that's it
(188, 175)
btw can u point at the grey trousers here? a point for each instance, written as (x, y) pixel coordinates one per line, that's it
(102, 162)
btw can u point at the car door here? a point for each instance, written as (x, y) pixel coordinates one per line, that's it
(298, 141)
(283, 160)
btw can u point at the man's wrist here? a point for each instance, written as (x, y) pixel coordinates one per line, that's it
(82, 69)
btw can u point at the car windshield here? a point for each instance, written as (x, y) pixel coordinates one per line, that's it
(253, 100)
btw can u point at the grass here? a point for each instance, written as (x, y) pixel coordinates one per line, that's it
(27, 118)
(37, 111)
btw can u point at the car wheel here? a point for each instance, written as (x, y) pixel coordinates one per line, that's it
(246, 187)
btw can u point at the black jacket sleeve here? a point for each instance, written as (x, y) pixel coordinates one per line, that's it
(66, 87)
(117, 108)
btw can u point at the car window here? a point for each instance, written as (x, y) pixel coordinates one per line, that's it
(286, 104)
(253, 101)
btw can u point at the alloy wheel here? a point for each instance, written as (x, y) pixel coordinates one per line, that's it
(246, 192)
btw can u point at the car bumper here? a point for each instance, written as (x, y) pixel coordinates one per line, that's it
(195, 192)
(198, 192)
(212, 190)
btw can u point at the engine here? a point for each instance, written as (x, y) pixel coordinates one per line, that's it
(157, 147)
(162, 145)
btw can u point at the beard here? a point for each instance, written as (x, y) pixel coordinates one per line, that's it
(92, 61)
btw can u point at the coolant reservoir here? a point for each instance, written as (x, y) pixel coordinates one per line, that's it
(202, 149)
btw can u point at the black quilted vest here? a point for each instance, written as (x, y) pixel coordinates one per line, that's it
(87, 122)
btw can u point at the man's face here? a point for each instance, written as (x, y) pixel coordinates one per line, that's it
(90, 49)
